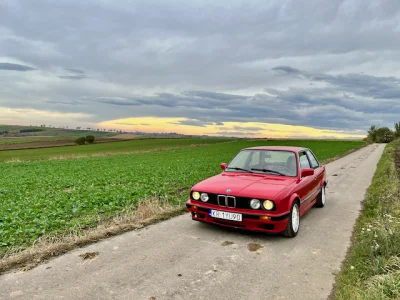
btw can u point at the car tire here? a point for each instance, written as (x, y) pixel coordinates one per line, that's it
(321, 199)
(293, 226)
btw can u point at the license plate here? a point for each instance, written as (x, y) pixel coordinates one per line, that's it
(226, 215)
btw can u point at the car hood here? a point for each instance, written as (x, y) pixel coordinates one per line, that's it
(245, 185)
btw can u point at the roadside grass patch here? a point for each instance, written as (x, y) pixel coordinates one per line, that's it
(372, 268)
(43, 201)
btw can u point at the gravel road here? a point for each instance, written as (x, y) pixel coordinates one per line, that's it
(182, 259)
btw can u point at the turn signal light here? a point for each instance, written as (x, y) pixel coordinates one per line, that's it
(194, 206)
(266, 218)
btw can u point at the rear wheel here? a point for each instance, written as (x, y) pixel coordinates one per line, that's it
(321, 200)
(293, 225)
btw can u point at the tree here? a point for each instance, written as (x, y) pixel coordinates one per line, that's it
(384, 135)
(397, 129)
(81, 140)
(372, 132)
(90, 139)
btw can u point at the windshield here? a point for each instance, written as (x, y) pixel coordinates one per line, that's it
(273, 162)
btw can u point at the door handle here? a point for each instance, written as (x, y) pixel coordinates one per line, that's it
(315, 178)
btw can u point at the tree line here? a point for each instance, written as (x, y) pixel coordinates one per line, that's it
(383, 134)
(83, 140)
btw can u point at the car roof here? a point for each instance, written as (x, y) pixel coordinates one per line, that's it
(277, 148)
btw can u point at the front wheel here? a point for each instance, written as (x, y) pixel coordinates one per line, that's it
(293, 225)
(321, 200)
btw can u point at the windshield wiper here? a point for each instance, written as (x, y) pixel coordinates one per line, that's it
(270, 171)
(240, 169)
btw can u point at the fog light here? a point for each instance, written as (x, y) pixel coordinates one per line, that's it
(255, 204)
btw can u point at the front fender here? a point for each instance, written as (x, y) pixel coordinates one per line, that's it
(292, 198)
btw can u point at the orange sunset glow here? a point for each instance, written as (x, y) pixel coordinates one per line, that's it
(248, 129)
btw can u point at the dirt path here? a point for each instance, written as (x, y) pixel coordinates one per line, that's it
(182, 259)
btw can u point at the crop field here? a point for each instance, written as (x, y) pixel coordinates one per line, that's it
(53, 196)
(53, 132)
(103, 148)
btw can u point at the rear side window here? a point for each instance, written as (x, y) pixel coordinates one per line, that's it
(313, 160)
(304, 163)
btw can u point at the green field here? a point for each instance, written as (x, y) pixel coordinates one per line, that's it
(102, 148)
(14, 130)
(42, 197)
(372, 267)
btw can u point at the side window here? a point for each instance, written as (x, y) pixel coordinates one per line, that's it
(304, 163)
(313, 160)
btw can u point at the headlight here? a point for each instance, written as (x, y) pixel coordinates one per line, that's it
(255, 204)
(196, 195)
(204, 197)
(268, 204)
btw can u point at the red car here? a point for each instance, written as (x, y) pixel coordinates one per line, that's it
(262, 189)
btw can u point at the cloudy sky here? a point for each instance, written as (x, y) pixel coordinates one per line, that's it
(223, 67)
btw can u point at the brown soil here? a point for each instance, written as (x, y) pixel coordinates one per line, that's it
(126, 136)
(253, 247)
(50, 144)
(227, 243)
(89, 255)
(34, 145)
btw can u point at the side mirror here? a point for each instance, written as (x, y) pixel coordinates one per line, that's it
(307, 172)
(223, 166)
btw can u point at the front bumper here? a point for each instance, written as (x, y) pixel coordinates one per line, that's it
(250, 220)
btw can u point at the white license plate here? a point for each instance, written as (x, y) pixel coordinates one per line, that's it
(226, 215)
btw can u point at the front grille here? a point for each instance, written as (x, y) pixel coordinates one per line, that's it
(228, 201)
(233, 202)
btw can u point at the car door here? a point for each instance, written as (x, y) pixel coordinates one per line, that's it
(306, 184)
(318, 169)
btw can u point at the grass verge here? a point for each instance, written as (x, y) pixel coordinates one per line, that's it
(372, 266)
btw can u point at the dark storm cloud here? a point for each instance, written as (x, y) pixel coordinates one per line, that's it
(327, 64)
(76, 71)
(15, 67)
(76, 74)
(361, 84)
(341, 103)
(287, 69)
